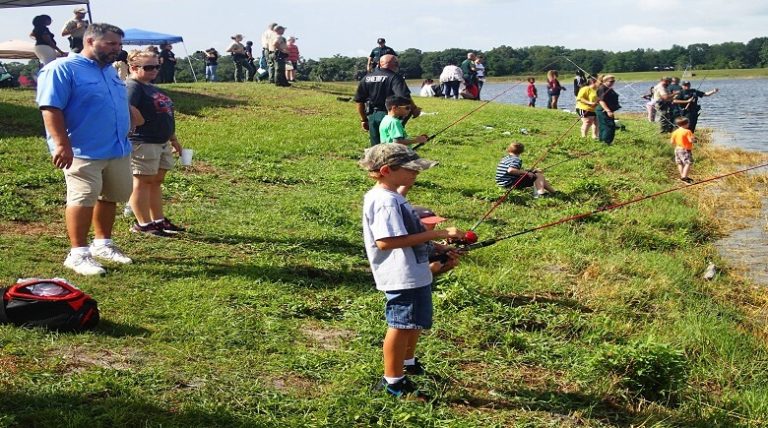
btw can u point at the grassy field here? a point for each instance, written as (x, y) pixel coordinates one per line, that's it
(265, 313)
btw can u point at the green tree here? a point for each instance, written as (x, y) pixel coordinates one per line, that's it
(410, 63)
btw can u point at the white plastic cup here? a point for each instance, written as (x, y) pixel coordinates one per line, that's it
(186, 157)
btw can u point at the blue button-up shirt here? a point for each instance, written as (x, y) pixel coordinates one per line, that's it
(94, 102)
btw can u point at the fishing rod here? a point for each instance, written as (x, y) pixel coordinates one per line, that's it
(485, 103)
(520, 179)
(489, 242)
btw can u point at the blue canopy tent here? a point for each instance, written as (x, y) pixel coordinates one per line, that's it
(135, 36)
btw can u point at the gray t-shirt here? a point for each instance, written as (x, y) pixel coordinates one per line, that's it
(387, 214)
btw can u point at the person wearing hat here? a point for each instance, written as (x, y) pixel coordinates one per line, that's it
(663, 99)
(687, 100)
(373, 91)
(378, 52)
(74, 29)
(397, 246)
(293, 60)
(267, 40)
(278, 54)
(237, 50)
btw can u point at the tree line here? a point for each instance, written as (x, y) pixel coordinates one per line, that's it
(505, 61)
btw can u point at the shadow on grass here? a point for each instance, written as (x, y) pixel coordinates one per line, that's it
(102, 408)
(320, 245)
(117, 330)
(558, 402)
(192, 103)
(518, 301)
(20, 121)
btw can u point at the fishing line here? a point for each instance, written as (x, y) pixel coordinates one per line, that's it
(485, 103)
(605, 208)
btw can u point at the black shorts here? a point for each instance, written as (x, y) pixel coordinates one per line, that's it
(585, 113)
(527, 181)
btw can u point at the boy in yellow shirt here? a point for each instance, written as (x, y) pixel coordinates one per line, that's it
(682, 138)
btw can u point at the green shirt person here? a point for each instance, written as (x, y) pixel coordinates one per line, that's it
(391, 129)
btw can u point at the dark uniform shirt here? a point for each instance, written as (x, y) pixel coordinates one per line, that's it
(609, 96)
(687, 94)
(379, 52)
(379, 84)
(469, 70)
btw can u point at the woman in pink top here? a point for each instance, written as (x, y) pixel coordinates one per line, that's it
(293, 59)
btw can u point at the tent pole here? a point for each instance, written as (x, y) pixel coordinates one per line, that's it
(189, 60)
(90, 16)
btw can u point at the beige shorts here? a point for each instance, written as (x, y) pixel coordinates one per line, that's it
(104, 179)
(148, 159)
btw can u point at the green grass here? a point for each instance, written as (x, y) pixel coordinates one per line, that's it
(265, 313)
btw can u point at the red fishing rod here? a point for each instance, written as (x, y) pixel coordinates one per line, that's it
(605, 208)
(485, 103)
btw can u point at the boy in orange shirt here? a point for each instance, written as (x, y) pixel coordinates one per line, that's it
(682, 138)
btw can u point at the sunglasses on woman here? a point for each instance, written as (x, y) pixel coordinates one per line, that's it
(149, 67)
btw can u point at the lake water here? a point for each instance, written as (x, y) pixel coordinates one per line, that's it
(738, 114)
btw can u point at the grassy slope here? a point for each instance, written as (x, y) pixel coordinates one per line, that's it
(265, 313)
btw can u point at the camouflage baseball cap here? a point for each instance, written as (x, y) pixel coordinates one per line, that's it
(393, 154)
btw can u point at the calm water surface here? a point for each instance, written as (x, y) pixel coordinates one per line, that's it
(738, 114)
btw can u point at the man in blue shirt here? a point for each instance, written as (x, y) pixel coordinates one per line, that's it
(85, 110)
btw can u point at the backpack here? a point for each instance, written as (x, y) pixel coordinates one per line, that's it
(51, 303)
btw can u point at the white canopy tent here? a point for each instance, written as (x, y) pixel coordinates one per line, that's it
(6, 4)
(17, 49)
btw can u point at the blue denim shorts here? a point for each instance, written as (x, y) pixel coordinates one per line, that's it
(410, 309)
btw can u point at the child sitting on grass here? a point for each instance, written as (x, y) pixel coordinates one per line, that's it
(391, 129)
(510, 173)
(396, 245)
(682, 138)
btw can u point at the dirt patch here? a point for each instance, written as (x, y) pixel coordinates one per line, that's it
(295, 385)
(9, 364)
(79, 359)
(324, 337)
(32, 228)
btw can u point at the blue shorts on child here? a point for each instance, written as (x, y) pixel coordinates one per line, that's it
(410, 309)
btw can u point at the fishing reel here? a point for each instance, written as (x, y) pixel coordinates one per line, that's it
(462, 245)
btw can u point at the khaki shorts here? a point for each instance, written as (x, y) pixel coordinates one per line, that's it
(90, 180)
(148, 159)
(683, 157)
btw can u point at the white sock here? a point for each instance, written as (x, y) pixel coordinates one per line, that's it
(410, 362)
(144, 224)
(79, 251)
(102, 242)
(160, 220)
(393, 380)
(541, 192)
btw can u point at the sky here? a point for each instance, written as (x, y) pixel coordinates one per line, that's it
(328, 27)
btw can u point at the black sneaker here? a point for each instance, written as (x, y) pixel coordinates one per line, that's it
(416, 369)
(150, 229)
(400, 389)
(688, 180)
(168, 227)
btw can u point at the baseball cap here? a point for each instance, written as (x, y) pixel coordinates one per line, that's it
(685, 83)
(427, 216)
(393, 154)
(79, 10)
(381, 40)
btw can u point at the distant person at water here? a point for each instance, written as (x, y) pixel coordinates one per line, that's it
(532, 92)
(586, 101)
(687, 101)
(510, 173)
(469, 69)
(267, 40)
(579, 82)
(279, 54)
(451, 78)
(663, 100)
(480, 67)
(74, 30)
(250, 62)
(608, 103)
(430, 89)
(377, 53)
(211, 64)
(372, 93)
(45, 46)
(553, 89)
(650, 105)
(237, 50)
(153, 144)
(683, 139)
(293, 60)
(674, 86)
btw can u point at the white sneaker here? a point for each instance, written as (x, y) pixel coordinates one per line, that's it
(84, 264)
(110, 253)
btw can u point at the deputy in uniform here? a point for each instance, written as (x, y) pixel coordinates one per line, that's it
(377, 53)
(75, 29)
(374, 89)
(687, 100)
